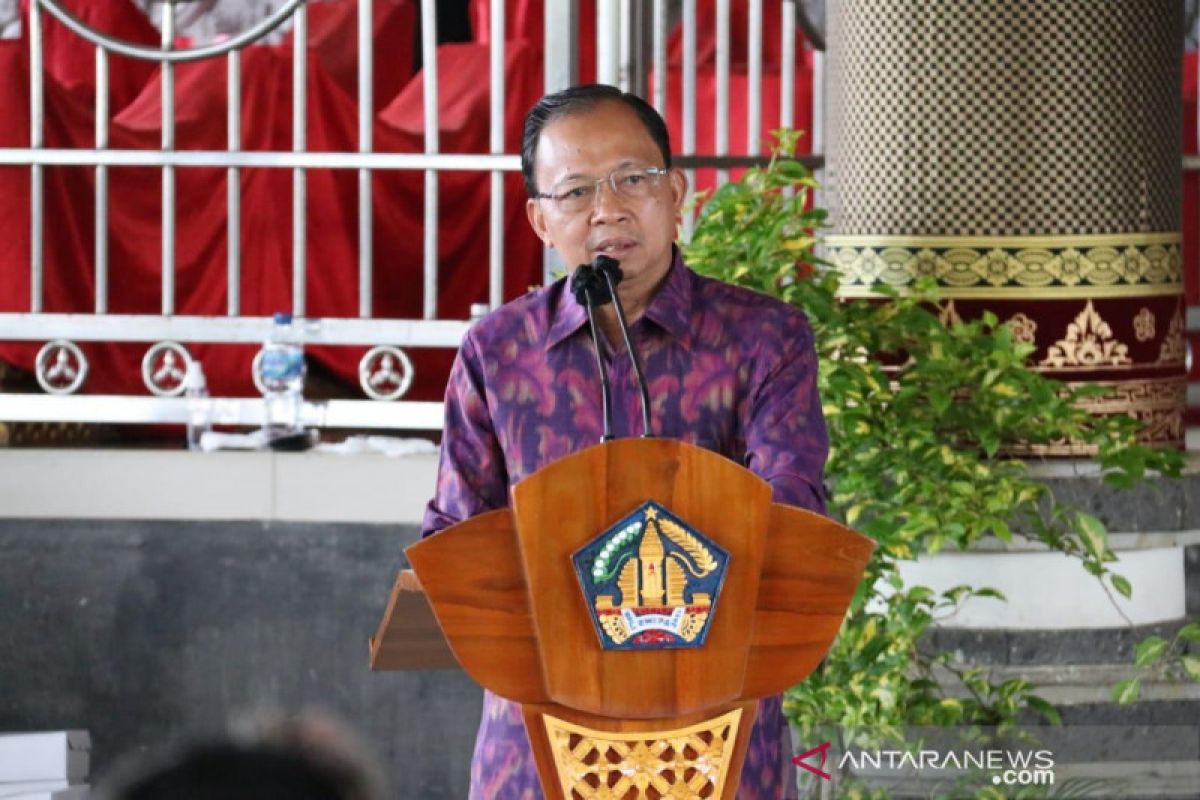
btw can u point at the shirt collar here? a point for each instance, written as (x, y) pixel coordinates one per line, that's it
(568, 316)
(670, 307)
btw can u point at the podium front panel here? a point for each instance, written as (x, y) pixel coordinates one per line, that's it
(565, 505)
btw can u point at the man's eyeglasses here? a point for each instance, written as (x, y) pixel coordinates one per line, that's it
(629, 183)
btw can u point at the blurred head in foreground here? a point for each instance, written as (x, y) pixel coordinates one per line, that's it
(309, 757)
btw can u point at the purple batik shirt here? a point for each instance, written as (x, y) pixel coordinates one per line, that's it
(729, 369)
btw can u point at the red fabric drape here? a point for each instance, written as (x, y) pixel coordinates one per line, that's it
(1191, 210)
(135, 194)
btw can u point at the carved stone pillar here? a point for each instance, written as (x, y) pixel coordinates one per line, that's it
(1025, 154)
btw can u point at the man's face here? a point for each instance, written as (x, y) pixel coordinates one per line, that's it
(638, 232)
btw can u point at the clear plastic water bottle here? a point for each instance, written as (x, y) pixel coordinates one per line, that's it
(199, 407)
(282, 373)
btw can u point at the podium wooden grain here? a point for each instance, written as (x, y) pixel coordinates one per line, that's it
(409, 637)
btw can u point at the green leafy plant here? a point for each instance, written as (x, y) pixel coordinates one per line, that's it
(923, 415)
(1169, 659)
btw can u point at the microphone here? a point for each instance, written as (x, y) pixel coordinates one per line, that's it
(589, 289)
(587, 281)
(610, 270)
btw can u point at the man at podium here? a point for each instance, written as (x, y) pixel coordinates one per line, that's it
(726, 368)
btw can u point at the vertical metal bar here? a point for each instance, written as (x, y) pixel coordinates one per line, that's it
(787, 73)
(608, 28)
(624, 45)
(37, 204)
(754, 50)
(560, 69)
(561, 66)
(689, 100)
(722, 120)
(101, 223)
(168, 173)
(638, 36)
(787, 66)
(660, 56)
(430, 85)
(233, 185)
(818, 101)
(366, 119)
(496, 136)
(299, 145)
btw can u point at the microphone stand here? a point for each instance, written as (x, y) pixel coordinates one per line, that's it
(582, 284)
(607, 266)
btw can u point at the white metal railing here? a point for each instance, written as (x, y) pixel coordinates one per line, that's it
(623, 57)
(618, 53)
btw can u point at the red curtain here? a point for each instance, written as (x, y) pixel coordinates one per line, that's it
(266, 241)
(1191, 208)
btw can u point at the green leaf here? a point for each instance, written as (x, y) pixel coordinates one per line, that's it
(1190, 632)
(1122, 585)
(956, 594)
(1044, 708)
(1126, 691)
(1120, 480)
(1149, 650)
(1093, 533)
(1191, 665)
(920, 593)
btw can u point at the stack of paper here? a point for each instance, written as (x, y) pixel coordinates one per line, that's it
(44, 766)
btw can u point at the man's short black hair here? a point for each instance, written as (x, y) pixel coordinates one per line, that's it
(581, 99)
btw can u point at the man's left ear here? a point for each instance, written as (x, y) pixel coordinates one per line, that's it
(679, 187)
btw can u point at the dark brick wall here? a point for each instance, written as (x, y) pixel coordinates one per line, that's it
(148, 632)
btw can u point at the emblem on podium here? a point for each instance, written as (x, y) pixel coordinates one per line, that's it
(651, 581)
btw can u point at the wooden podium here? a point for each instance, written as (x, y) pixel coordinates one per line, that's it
(637, 600)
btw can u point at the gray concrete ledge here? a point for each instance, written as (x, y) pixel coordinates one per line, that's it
(182, 485)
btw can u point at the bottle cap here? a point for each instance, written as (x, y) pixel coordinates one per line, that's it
(283, 318)
(193, 378)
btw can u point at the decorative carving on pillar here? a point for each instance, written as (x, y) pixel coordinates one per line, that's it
(1143, 325)
(1174, 348)
(1089, 343)
(1023, 329)
(1012, 266)
(1154, 402)
(1037, 177)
